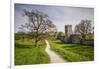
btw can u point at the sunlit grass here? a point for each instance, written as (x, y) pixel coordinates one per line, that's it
(73, 52)
(26, 53)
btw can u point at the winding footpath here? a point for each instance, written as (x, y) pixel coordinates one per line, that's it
(54, 57)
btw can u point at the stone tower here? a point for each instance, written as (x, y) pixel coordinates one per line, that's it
(68, 30)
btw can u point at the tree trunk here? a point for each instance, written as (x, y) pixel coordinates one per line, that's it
(36, 43)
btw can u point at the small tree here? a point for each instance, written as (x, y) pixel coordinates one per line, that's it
(59, 34)
(38, 24)
(84, 28)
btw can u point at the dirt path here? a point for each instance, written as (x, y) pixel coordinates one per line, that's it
(54, 57)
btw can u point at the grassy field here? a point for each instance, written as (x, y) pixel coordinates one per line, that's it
(73, 52)
(26, 53)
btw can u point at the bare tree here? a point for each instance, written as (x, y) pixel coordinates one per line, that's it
(84, 28)
(38, 24)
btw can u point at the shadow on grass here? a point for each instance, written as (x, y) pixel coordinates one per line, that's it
(18, 45)
(65, 44)
(61, 42)
(71, 44)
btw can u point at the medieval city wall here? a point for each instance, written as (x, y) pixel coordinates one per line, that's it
(74, 38)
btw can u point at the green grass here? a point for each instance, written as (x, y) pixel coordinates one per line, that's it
(73, 52)
(26, 53)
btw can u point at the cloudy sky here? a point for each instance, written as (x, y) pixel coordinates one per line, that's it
(60, 15)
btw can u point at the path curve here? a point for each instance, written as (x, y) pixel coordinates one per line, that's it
(54, 57)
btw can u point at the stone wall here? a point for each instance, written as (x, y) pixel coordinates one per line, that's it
(71, 37)
(87, 42)
(76, 40)
(61, 38)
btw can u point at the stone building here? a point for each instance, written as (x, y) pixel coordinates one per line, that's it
(68, 33)
(68, 30)
(71, 37)
(75, 38)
